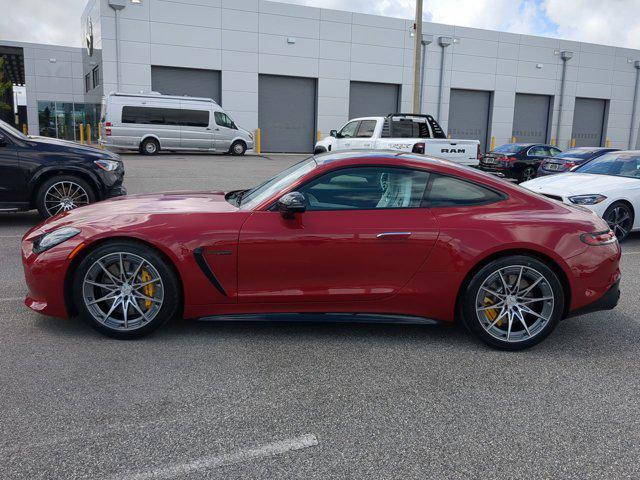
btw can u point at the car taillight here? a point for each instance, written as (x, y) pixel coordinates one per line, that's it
(570, 164)
(418, 148)
(599, 238)
(508, 159)
(107, 128)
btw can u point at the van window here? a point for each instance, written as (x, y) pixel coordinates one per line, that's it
(223, 120)
(165, 116)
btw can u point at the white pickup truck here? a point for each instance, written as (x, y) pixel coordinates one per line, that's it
(402, 132)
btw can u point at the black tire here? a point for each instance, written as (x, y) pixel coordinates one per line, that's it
(528, 173)
(238, 148)
(45, 208)
(170, 287)
(620, 218)
(149, 146)
(470, 295)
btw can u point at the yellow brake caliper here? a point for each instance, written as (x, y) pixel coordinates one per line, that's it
(491, 313)
(149, 290)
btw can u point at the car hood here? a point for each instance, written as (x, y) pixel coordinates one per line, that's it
(566, 184)
(134, 211)
(71, 146)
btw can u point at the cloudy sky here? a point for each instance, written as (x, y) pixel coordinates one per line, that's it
(612, 22)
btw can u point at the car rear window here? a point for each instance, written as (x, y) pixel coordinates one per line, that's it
(446, 191)
(508, 148)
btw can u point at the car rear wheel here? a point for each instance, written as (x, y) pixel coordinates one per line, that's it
(125, 290)
(63, 193)
(529, 173)
(238, 148)
(149, 146)
(619, 216)
(513, 302)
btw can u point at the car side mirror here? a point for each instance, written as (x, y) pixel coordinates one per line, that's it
(333, 133)
(291, 203)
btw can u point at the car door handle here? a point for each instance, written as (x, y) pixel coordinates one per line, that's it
(394, 234)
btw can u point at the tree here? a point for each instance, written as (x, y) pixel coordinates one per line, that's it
(5, 87)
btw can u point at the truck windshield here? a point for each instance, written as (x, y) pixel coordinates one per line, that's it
(255, 196)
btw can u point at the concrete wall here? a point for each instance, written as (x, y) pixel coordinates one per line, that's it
(52, 73)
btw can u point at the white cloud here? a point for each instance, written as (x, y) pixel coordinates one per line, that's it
(611, 22)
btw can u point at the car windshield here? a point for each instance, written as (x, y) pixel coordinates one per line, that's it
(614, 164)
(581, 153)
(12, 131)
(253, 197)
(508, 148)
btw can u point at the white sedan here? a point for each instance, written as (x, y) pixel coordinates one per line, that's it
(608, 185)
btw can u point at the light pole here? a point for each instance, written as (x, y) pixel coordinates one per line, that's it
(426, 40)
(633, 135)
(565, 56)
(416, 57)
(117, 5)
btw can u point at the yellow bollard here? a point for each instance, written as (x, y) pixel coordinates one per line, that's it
(82, 133)
(449, 136)
(88, 134)
(607, 143)
(493, 144)
(553, 142)
(513, 139)
(573, 142)
(319, 136)
(258, 139)
(24, 129)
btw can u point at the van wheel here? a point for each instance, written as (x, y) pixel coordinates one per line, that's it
(149, 146)
(238, 148)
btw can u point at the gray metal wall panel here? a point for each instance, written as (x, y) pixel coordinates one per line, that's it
(588, 122)
(469, 115)
(368, 99)
(186, 81)
(287, 113)
(531, 118)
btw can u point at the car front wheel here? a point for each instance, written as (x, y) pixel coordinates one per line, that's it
(513, 302)
(125, 289)
(61, 194)
(619, 216)
(529, 173)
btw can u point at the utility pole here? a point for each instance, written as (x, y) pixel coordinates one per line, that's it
(417, 35)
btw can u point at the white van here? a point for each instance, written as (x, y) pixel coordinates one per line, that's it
(150, 122)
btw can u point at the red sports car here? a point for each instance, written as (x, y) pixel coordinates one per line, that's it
(371, 236)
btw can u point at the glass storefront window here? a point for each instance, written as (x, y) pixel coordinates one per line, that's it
(63, 119)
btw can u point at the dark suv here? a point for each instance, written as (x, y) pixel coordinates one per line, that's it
(519, 161)
(54, 175)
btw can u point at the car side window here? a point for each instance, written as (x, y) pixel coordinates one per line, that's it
(446, 191)
(349, 130)
(366, 129)
(536, 151)
(366, 188)
(223, 120)
(554, 151)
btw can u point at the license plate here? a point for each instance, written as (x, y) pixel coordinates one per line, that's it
(553, 166)
(489, 160)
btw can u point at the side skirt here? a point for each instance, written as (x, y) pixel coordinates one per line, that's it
(323, 317)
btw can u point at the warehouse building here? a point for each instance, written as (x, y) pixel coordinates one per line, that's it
(295, 70)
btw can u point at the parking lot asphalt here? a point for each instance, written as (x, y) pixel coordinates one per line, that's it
(274, 400)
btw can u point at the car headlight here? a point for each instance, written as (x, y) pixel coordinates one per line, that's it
(51, 239)
(587, 199)
(107, 165)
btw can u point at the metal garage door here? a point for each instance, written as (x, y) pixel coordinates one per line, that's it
(531, 118)
(588, 122)
(469, 115)
(287, 113)
(368, 99)
(186, 81)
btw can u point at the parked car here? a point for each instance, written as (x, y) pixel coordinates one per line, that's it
(608, 185)
(571, 158)
(371, 235)
(519, 161)
(152, 122)
(53, 175)
(401, 132)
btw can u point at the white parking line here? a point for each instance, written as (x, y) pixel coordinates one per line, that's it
(631, 253)
(214, 461)
(11, 299)
(10, 236)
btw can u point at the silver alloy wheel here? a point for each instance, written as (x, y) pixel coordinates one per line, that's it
(238, 148)
(619, 221)
(123, 291)
(64, 196)
(528, 173)
(150, 147)
(515, 303)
